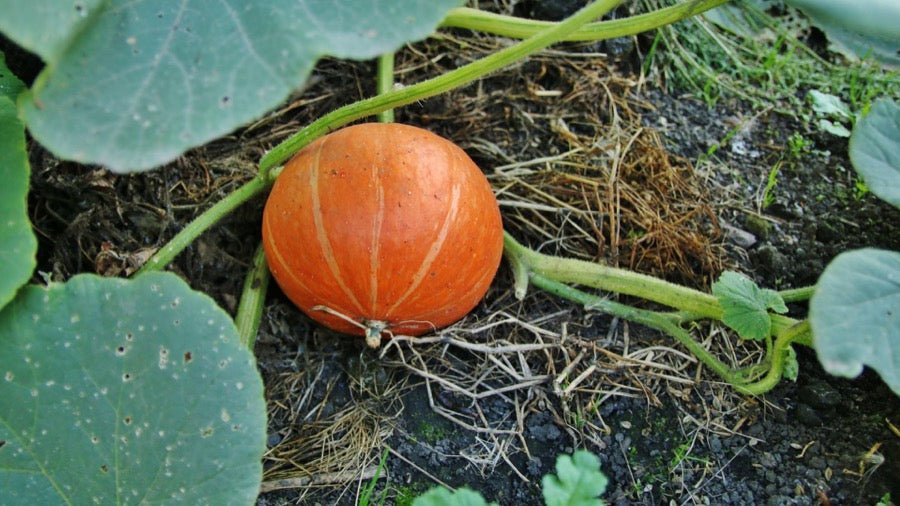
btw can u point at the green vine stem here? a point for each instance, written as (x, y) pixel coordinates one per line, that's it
(692, 303)
(550, 273)
(550, 34)
(612, 279)
(519, 28)
(204, 221)
(794, 334)
(797, 294)
(651, 319)
(253, 298)
(385, 82)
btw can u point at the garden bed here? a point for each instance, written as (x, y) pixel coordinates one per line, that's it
(589, 159)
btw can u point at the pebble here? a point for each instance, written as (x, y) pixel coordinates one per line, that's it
(715, 444)
(808, 416)
(738, 236)
(819, 395)
(778, 500)
(817, 463)
(769, 258)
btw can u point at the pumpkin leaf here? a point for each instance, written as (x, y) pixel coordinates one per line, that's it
(746, 306)
(126, 391)
(46, 27)
(857, 29)
(135, 84)
(875, 150)
(855, 315)
(18, 245)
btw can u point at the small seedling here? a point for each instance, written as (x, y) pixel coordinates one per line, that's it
(578, 482)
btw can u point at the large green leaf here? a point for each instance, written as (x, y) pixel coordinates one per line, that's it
(44, 27)
(144, 80)
(855, 315)
(18, 244)
(858, 28)
(875, 150)
(120, 391)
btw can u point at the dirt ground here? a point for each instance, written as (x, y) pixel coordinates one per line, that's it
(588, 160)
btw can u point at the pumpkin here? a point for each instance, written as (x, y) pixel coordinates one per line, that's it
(382, 228)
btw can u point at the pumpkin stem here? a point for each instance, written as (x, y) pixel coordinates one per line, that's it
(374, 328)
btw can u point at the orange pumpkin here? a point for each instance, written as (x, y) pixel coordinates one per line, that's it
(383, 228)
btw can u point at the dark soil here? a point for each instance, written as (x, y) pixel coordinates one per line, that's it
(821, 440)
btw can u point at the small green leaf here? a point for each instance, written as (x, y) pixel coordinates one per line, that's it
(440, 496)
(828, 105)
(855, 315)
(18, 245)
(746, 306)
(121, 391)
(10, 84)
(834, 128)
(875, 150)
(134, 84)
(578, 481)
(791, 366)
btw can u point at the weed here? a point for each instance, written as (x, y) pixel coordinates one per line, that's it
(798, 145)
(367, 492)
(860, 189)
(406, 494)
(716, 64)
(430, 433)
(682, 453)
(768, 196)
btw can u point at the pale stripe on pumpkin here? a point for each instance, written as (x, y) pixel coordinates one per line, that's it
(434, 250)
(376, 239)
(321, 235)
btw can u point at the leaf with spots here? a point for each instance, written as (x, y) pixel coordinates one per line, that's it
(18, 245)
(875, 150)
(855, 315)
(126, 392)
(133, 84)
(46, 27)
